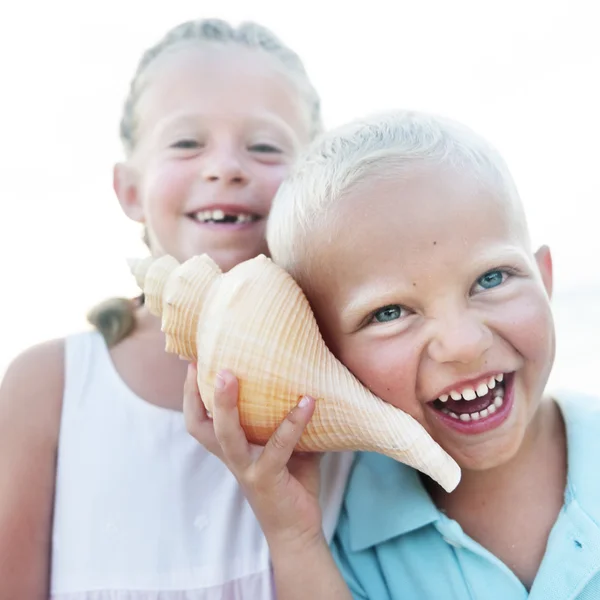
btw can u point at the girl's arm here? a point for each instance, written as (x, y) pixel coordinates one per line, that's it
(283, 489)
(30, 407)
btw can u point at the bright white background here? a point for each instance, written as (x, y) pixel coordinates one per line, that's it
(526, 73)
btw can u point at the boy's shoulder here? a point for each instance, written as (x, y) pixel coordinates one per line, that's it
(581, 414)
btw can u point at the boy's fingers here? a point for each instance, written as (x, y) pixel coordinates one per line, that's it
(197, 421)
(280, 446)
(226, 419)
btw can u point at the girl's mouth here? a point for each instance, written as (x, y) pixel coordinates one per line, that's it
(475, 412)
(220, 217)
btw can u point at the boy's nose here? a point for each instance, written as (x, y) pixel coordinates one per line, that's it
(460, 338)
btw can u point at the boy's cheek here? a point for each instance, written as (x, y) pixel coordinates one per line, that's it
(528, 329)
(387, 369)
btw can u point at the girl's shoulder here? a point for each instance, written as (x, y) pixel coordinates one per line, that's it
(32, 387)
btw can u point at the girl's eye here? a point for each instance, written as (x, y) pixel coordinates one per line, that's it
(185, 144)
(492, 279)
(388, 313)
(266, 148)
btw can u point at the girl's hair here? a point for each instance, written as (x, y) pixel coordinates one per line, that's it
(115, 318)
(387, 144)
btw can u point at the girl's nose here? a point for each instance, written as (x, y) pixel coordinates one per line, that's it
(222, 165)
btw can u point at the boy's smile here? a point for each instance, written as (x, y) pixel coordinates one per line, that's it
(477, 406)
(430, 295)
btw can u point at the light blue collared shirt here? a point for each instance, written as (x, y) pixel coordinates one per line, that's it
(392, 542)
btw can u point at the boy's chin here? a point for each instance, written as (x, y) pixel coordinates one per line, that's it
(490, 454)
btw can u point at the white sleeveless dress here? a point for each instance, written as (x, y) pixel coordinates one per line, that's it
(142, 510)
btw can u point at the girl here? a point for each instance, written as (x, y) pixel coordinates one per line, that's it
(103, 494)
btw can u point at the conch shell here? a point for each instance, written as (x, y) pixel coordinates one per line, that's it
(255, 321)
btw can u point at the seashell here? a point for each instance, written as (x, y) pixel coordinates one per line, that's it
(157, 274)
(184, 293)
(256, 322)
(139, 267)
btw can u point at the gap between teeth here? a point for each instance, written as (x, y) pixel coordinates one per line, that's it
(476, 416)
(219, 215)
(471, 393)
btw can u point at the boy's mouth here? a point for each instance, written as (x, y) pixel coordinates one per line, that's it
(220, 217)
(477, 409)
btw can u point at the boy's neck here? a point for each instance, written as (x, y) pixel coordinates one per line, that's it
(511, 510)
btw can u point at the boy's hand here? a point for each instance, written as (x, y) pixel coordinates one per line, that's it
(281, 487)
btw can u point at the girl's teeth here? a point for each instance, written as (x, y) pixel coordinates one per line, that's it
(499, 378)
(455, 395)
(443, 398)
(492, 383)
(218, 215)
(498, 402)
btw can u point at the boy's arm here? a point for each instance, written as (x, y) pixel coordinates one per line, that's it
(281, 486)
(308, 572)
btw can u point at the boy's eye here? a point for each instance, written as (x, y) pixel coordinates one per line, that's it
(492, 279)
(186, 144)
(388, 313)
(266, 148)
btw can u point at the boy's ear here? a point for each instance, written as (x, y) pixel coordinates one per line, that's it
(125, 184)
(544, 263)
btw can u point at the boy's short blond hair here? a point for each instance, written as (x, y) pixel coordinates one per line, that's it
(394, 143)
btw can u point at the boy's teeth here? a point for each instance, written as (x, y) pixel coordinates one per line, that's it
(482, 389)
(482, 414)
(469, 394)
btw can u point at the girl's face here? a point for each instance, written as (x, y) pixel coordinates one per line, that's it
(217, 129)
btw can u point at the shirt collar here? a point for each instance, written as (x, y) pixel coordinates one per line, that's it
(385, 499)
(581, 414)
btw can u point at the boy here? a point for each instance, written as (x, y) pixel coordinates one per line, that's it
(409, 239)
